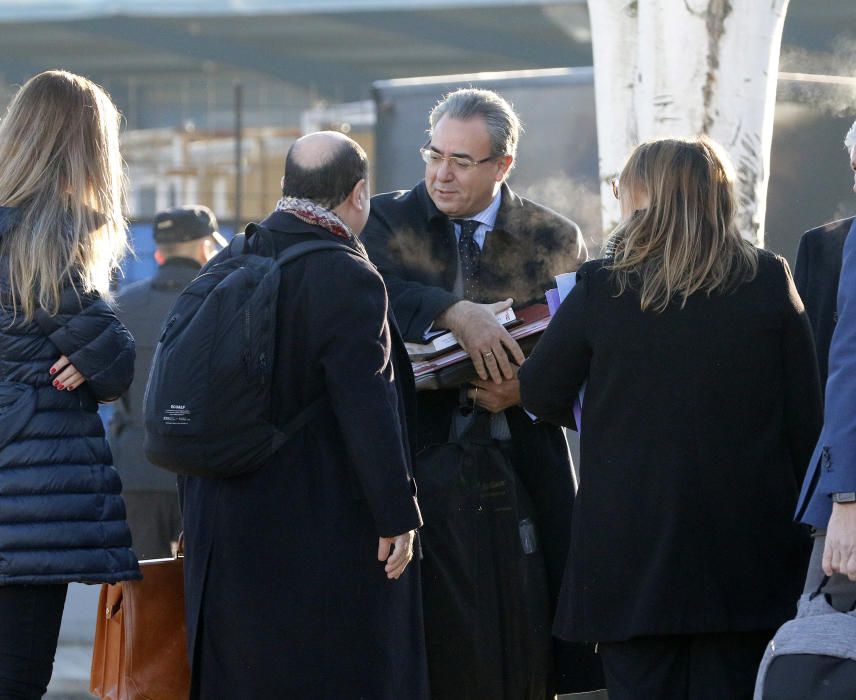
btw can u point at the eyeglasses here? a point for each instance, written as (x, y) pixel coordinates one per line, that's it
(615, 187)
(433, 158)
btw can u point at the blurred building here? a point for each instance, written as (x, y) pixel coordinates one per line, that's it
(177, 69)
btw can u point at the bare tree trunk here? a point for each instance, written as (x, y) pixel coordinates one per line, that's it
(614, 41)
(684, 68)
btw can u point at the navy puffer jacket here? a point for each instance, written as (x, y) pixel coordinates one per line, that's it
(61, 516)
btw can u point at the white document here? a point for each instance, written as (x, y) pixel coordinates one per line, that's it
(565, 282)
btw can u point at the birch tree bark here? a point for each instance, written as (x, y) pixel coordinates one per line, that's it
(685, 68)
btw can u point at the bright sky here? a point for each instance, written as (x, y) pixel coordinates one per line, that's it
(30, 10)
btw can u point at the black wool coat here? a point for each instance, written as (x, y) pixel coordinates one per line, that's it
(697, 426)
(285, 597)
(816, 274)
(414, 247)
(415, 250)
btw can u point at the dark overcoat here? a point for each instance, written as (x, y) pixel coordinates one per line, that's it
(62, 518)
(285, 596)
(143, 306)
(414, 246)
(816, 273)
(832, 467)
(697, 426)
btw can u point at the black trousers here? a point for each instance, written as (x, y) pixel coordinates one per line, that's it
(684, 667)
(29, 628)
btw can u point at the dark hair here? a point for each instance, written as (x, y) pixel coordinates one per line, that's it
(329, 183)
(503, 124)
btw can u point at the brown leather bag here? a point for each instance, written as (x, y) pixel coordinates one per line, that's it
(140, 650)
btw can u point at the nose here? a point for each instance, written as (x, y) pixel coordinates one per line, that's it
(444, 171)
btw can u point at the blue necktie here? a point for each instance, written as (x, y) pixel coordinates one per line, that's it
(469, 253)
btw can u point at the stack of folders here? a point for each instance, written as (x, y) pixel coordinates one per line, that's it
(442, 342)
(451, 366)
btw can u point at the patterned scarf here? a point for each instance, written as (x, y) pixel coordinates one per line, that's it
(311, 213)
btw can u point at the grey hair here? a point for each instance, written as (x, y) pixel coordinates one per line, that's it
(850, 139)
(503, 124)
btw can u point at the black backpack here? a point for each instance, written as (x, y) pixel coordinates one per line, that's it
(208, 401)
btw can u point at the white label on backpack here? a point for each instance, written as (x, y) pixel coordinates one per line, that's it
(176, 414)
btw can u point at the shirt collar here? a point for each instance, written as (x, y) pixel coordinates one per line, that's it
(487, 216)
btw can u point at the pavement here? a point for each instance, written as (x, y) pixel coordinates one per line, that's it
(70, 680)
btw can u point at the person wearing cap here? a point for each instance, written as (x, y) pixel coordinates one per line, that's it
(186, 238)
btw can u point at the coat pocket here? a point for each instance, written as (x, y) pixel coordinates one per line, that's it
(17, 406)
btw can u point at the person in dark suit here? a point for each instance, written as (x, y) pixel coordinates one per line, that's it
(454, 250)
(296, 575)
(701, 409)
(816, 273)
(186, 238)
(828, 497)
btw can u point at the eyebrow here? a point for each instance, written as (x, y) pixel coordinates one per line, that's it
(452, 155)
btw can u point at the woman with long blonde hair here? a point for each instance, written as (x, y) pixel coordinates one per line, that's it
(62, 350)
(700, 414)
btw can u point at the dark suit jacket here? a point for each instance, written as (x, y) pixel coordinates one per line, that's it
(413, 244)
(832, 468)
(696, 429)
(143, 306)
(816, 273)
(296, 541)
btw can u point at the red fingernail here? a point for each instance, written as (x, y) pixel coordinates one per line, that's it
(53, 370)
(59, 386)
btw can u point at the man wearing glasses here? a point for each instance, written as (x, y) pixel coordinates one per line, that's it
(497, 486)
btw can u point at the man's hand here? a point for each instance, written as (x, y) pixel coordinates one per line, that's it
(496, 397)
(839, 554)
(483, 337)
(402, 553)
(65, 375)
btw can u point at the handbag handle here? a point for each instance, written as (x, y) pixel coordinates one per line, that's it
(817, 592)
(179, 546)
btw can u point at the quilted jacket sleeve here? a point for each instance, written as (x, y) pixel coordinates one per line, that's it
(101, 348)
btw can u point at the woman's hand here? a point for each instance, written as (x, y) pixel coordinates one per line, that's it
(66, 375)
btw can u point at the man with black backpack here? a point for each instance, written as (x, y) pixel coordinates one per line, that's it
(297, 546)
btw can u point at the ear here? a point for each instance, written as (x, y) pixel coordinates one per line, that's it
(360, 195)
(503, 166)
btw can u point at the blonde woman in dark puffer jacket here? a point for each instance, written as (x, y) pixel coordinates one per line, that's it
(62, 350)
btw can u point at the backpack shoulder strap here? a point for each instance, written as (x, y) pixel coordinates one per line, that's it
(306, 416)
